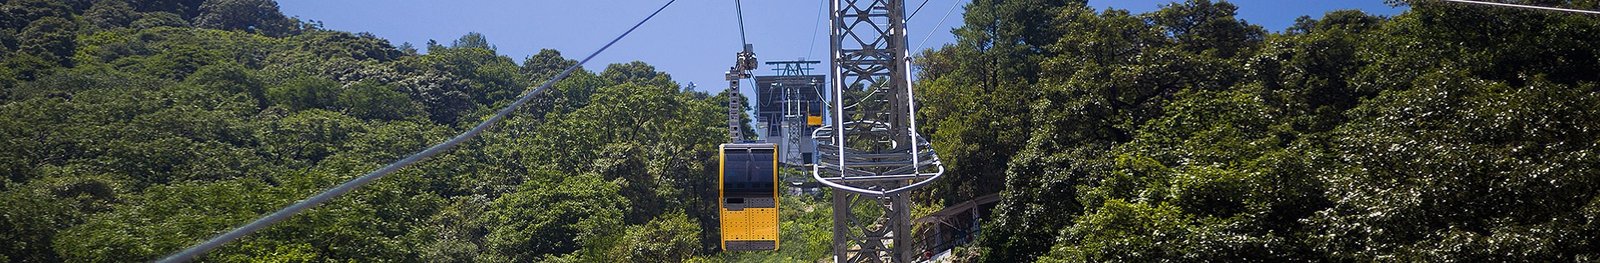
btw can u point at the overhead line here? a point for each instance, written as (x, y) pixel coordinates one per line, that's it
(1527, 6)
(739, 8)
(941, 23)
(195, 251)
(815, 26)
(919, 10)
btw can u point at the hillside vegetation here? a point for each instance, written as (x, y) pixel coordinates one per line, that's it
(1448, 133)
(130, 130)
(134, 129)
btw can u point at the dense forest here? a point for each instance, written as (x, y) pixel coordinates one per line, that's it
(133, 129)
(130, 130)
(1448, 133)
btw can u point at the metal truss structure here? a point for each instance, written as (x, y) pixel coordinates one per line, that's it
(799, 95)
(869, 151)
(742, 65)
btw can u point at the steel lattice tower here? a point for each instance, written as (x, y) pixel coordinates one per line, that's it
(870, 152)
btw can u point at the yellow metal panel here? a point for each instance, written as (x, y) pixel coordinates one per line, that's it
(814, 120)
(750, 224)
(775, 201)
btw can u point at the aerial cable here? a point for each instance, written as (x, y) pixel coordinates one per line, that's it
(816, 26)
(739, 9)
(863, 99)
(941, 23)
(195, 251)
(1527, 6)
(919, 10)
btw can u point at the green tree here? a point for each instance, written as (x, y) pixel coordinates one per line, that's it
(473, 40)
(328, 45)
(451, 82)
(163, 219)
(1309, 74)
(159, 19)
(229, 78)
(184, 9)
(111, 14)
(305, 93)
(546, 64)
(22, 13)
(373, 101)
(1205, 26)
(672, 237)
(254, 16)
(636, 72)
(30, 221)
(976, 92)
(1105, 76)
(25, 67)
(176, 63)
(50, 38)
(1123, 232)
(1444, 164)
(552, 215)
(308, 135)
(8, 41)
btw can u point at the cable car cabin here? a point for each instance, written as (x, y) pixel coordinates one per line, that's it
(748, 193)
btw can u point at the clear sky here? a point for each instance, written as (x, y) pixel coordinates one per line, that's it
(694, 40)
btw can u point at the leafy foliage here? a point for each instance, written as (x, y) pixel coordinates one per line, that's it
(1186, 134)
(554, 218)
(255, 16)
(670, 238)
(1448, 133)
(131, 135)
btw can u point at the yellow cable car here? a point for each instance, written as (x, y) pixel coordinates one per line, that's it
(747, 192)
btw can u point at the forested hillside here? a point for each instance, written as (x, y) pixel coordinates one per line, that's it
(1449, 133)
(133, 129)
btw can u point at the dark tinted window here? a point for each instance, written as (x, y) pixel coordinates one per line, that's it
(748, 173)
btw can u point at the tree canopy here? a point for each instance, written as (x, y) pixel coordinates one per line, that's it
(1446, 133)
(134, 129)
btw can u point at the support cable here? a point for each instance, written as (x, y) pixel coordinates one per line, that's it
(739, 8)
(941, 23)
(195, 251)
(1527, 6)
(816, 26)
(919, 10)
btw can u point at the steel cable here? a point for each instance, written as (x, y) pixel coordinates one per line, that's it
(195, 251)
(936, 26)
(919, 10)
(739, 9)
(1528, 6)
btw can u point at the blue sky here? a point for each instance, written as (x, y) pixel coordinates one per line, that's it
(694, 40)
